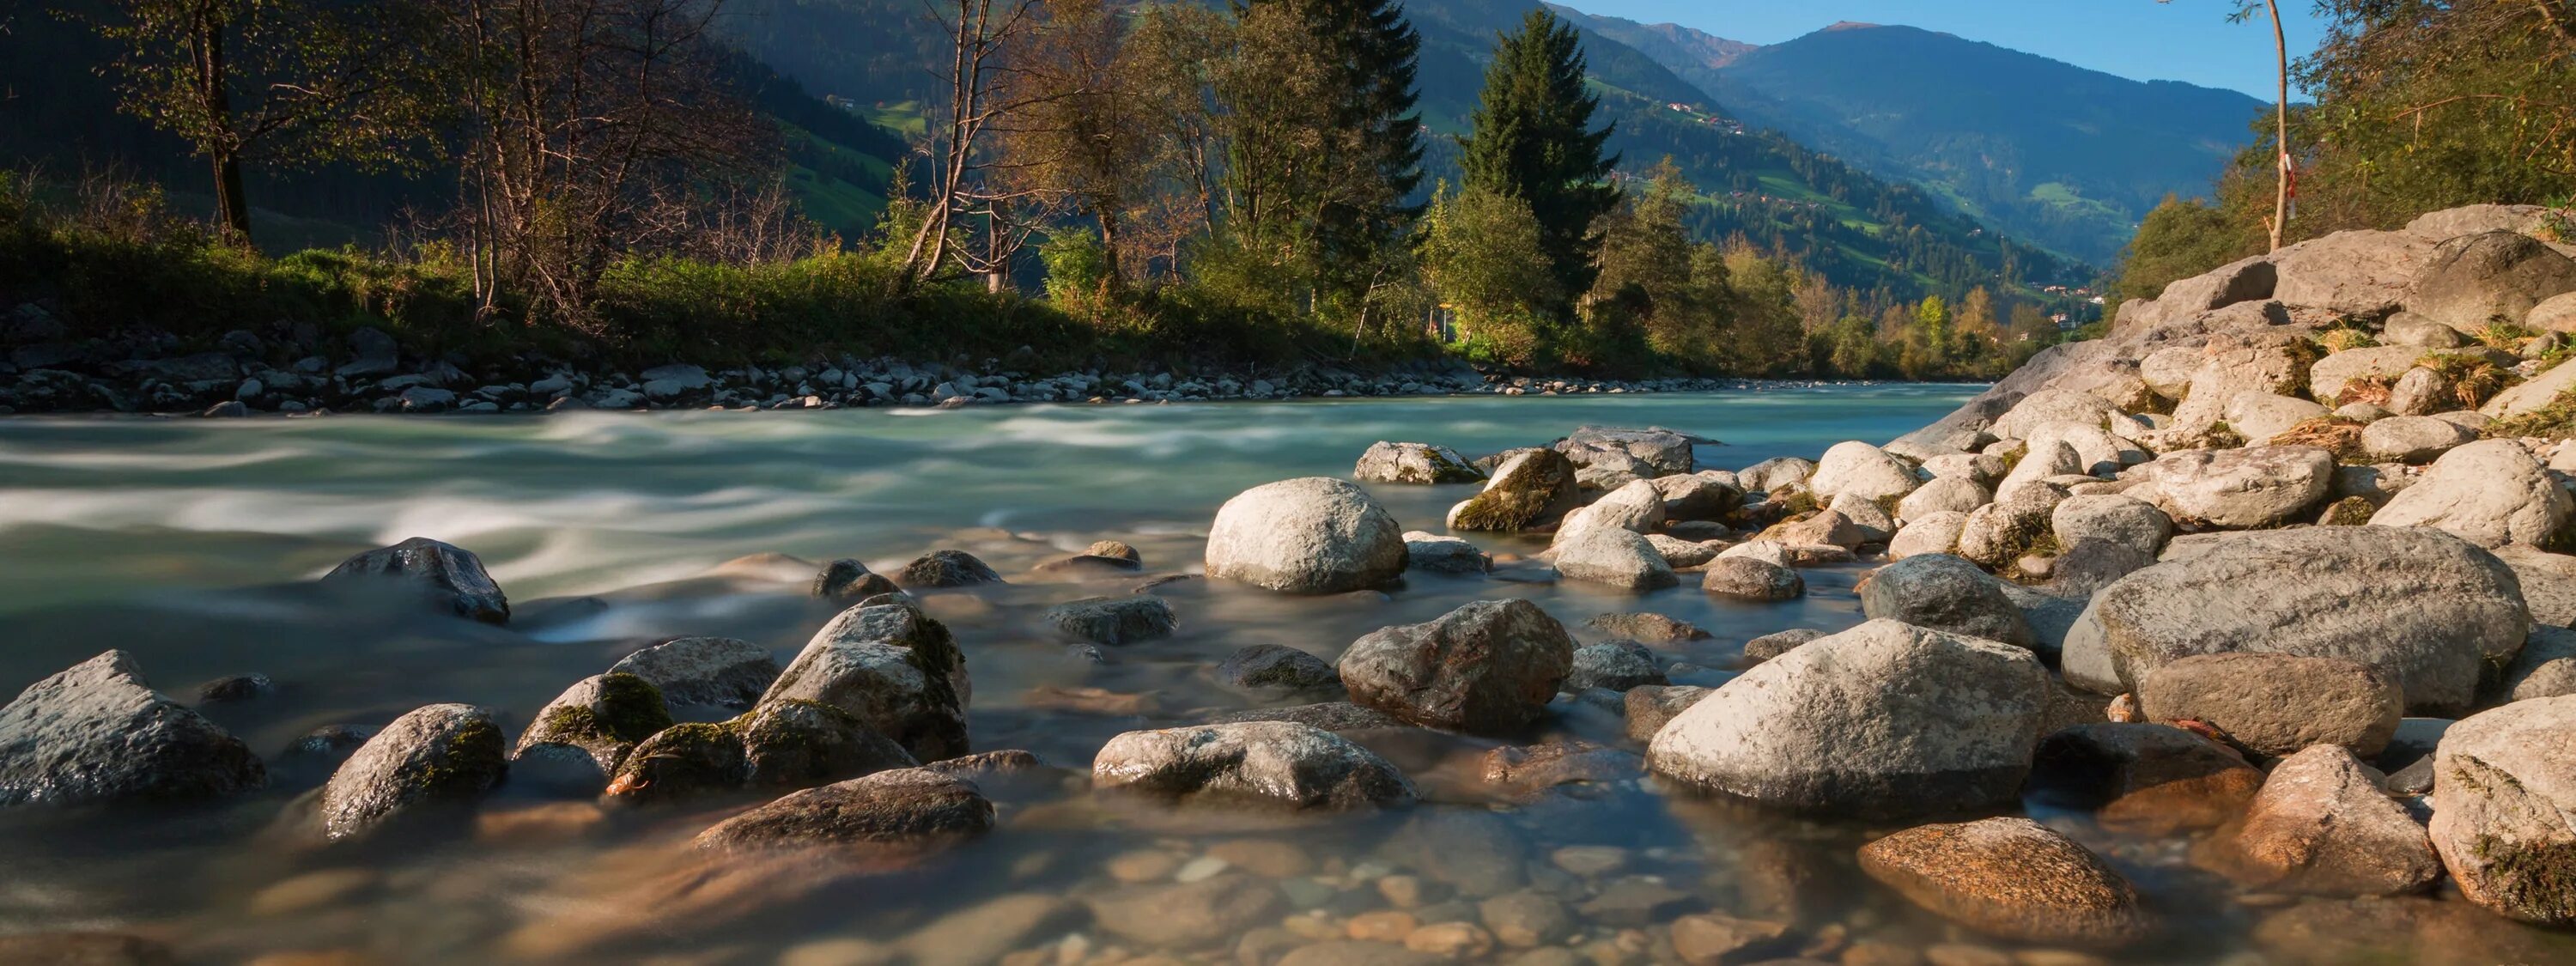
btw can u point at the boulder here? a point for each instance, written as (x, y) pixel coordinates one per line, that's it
(1864, 471)
(2333, 374)
(1269, 763)
(2490, 493)
(2048, 407)
(2546, 668)
(2556, 313)
(1661, 451)
(1649, 628)
(1310, 536)
(1533, 489)
(450, 577)
(1932, 533)
(946, 568)
(2366, 273)
(2098, 452)
(2504, 788)
(1612, 556)
(2142, 779)
(1827, 528)
(1614, 667)
(604, 715)
(2322, 826)
(2532, 394)
(1637, 507)
(801, 744)
(2001, 532)
(1705, 495)
(1777, 643)
(2112, 518)
(1206, 912)
(1944, 593)
(2410, 329)
(2244, 280)
(1276, 669)
(894, 669)
(847, 581)
(1748, 578)
(2548, 582)
(1415, 463)
(1437, 554)
(1868, 520)
(1114, 620)
(1776, 473)
(2278, 704)
(887, 816)
(2239, 362)
(1883, 720)
(2497, 276)
(2257, 486)
(1489, 667)
(2422, 392)
(1680, 554)
(2014, 879)
(1977, 468)
(2262, 415)
(2413, 439)
(425, 765)
(716, 671)
(96, 733)
(2441, 609)
(1944, 494)
(2090, 564)
(1651, 706)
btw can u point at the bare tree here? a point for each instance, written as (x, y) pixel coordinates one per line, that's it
(2285, 164)
(984, 35)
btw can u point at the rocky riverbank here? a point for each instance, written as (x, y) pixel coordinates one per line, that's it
(2203, 643)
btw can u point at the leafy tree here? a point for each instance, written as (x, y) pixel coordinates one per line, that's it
(1485, 254)
(1075, 144)
(1534, 141)
(2179, 239)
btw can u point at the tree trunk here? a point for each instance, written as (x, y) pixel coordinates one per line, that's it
(1109, 251)
(230, 205)
(2281, 140)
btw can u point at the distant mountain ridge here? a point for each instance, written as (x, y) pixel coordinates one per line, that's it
(2057, 154)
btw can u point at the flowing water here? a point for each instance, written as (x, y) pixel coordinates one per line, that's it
(191, 545)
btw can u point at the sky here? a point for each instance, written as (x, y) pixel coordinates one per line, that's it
(2184, 40)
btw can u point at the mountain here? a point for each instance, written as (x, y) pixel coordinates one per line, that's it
(1858, 230)
(2066, 157)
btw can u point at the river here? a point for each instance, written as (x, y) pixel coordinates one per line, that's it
(191, 544)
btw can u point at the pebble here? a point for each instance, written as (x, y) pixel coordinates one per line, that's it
(1201, 869)
(1143, 865)
(1590, 861)
(1451, 940)
(1382, 927)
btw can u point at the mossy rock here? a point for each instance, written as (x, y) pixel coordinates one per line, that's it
(800, 744)
(684, 761)
(2351, 511)
(604, 715)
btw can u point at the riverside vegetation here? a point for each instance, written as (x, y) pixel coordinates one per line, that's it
(2145, 658)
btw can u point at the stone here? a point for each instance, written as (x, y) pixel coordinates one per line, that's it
(848, 581)
(2548, 582)
(604, 715)
(1773, 645)
(1774, 474)
(2474, 280)
(1114, 621)
(1931, 533)
(1636, 507)
(714, 671)
(886, 816)
(1270, 763)
(2277, 704)
(1191, 914)
(946, 568)
(2321, 826)
(1612, 556)
(2263, 415)
(1415, 463)
(2532, 394)
(1306, 536)
(372, 352)
(1335, 716)
(1489, 667)
(1826, 529)
(2412, 439)
(1662, 451)
(1356, 953)
(2244, 280)
(2257, 486)
(2410, 329)
(1944, 494)
(2546, 667)
(1882, 720)
(1705, 495)
(1864, 471)
(2504, 789)
(1534, 488)
(86, 949)
(2490, 493)
(1444, 555)
(425, 765)
(1276, 669)
(893, 668)
(1648, 628)
(2365, 273)
(1526, 919)
(96, 733)
(1650, 707)
(2233, 363)
(1709, 939)
(2422, 392)
(448, 576)
(1747, 578)
(1944, 593)
(2556, 313)
(2003, 531)
(2111, 517)
(984, 932)
(2050, 406)
(2142, 779)
(1613, 667)
(1451, 941)
(2333, 374)
(801, 744)
(2014, 879)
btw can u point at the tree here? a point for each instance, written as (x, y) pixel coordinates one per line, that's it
(2177, 240)
(1074, 145)
(286, 83)
(1485, 256)
(1534, 141)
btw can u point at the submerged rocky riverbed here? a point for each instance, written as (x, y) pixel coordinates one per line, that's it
(2210, 642)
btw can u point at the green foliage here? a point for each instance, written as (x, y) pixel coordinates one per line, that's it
(1534, 141)
(2178, 240)
(1486, 256)
(1077, 266)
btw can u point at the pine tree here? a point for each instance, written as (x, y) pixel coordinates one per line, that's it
(1534, 140)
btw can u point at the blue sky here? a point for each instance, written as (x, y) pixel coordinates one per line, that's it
(2185, 40)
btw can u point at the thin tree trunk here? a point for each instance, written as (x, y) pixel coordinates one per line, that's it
(2281, 170)
(229, 203)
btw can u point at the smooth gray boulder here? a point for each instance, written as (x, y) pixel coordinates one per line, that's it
(428, 764)
(716, 671)
(1945, 593)
(2497, 276)
(2548, 582)
(1314, 535)
(1437, 554)
(1705, 495)
(1269, 763)
(2490, 493)
(849, 581)
(1864, 471)
(1885, 720)
(2259, 416)
(1661, 451)
(2440, 610)
(1775, 473)
(2113, 518)
(1944, 494)
(2050, 406)
(2365, 273)
(1114, 620)
(2504, 809)
(886, 816)
(1276, 670)
(2278, 704)
(1932, 533)
(1614, 666)
(2333, 374)
(1612, 556)
(2546, 668)
(2257, 486)
(450, 577)
(1534, 488)
(1489, 667)
(1999, 533)
(2413, 439)
(1414, 463)
(891, 667)
(1681, 554)
(1636, 507)
(1750, 578)
(96, 733)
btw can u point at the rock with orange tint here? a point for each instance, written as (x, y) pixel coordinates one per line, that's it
(2148, 779)
(2322, 826)
(2014, 879)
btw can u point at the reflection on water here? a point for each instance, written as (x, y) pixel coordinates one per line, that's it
(190, 544)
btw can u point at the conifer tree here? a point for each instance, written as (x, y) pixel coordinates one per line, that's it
(1534, 141)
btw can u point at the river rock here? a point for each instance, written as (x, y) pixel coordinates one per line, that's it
(1749, 578)
(2331, 375)
(2278, 704)
(449, 576)
(1649, 628)
(2001, 532)
(1314, 535)
(2257, 486)
(1681, 554)
(1705, 495)
(2548, 582)
(1882, 720)
(1114, 620)
(96, 733)
(715, 671)
(2322, 826)
(604, 715)
(2142, 779)
(1276, 669)
(1614, 667)
(1186, 915)
(2268, 362)
(2546, 668)
(1777, 643)
(1339, 717)
(892, 667)
(1944, 593)
(1269, 763)
(801, 744)
(1824, 529)
(2532, 394)
(2365, 273)
(2422, 392)
(1864, 471)
(2410, 329)
(2011, 878)
(684, 761)
(2263, 415)
(846, 581)
(2490, 493)
(1636, 507)
(1931, 533)
(2473, 280)
(2111, 517)
(1416, 463)
(441, 757)
(2504, 787)
(1489, 667)
(1443, 555)
(946, 568)
(1532, 489)
(1662, 451)
(2413, 439)
(2050, 406)
(2441, 609)
(1650, 707)
(1775, 474)
(886, 816)
(1944, 494)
